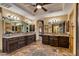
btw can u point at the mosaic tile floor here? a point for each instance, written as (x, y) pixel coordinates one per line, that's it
(39, 49)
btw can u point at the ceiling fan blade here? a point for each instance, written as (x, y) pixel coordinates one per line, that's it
(35, 10)
(44, 9)
(46, 3)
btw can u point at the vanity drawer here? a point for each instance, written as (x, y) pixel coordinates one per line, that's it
(53, 41)
(12, 40)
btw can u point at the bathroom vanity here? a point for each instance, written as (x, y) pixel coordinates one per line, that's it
(57, 40)
(16, 41)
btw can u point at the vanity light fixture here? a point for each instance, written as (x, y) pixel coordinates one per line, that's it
(15, 17)
(25, 20)
(50, 22)
(19, 24)
(18, 18)
(30, 22)
(54, 21)
(9, 16)
(12, 16)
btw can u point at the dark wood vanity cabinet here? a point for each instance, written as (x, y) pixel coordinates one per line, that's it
(12, 44)
(30, 39)
(53, 41)
(57, 41)
(45, 41)
(21, 42)
(64, 42)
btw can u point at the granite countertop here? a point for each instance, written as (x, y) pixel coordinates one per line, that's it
(18, 35)
(59, 34)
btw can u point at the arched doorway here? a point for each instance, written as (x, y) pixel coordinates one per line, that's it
(40, 27)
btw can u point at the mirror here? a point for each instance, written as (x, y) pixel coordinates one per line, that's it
(15, 26)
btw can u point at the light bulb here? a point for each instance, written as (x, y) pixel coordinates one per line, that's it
(39, 6)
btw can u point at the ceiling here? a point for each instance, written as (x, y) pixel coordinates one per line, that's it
(53, 7)
(26, 9)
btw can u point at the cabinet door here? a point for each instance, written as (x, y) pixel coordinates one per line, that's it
(29, 39)
(13, 47)
(53, 41)
(34, 38)
(4, 45)
(64, 42)
(45, 40)
(21, 44)
(12, 44)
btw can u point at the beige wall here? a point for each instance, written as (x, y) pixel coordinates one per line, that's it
(6, 12)
(72, 27)
(0, 33)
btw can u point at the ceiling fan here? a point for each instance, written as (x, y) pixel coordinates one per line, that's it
(40, 6)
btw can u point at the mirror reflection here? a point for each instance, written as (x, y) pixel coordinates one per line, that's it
(16, 25)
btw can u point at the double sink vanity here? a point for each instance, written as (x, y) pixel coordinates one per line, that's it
(56, 40)
(12, 42)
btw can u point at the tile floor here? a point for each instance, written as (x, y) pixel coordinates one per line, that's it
(39, 49)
